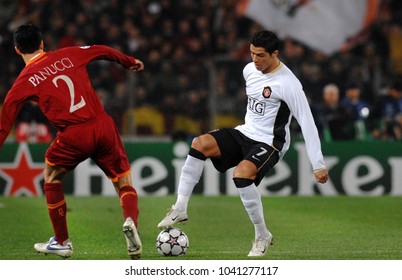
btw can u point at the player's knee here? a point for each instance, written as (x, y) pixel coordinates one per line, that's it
(246, 170)
(52, 174)
(123, 181)
(206, 145)
(198, 143)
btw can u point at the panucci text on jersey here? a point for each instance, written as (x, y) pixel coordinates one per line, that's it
(52, 69)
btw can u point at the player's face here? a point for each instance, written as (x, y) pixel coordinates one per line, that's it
(263, 61)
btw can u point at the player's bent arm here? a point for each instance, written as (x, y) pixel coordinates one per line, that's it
(300, 109)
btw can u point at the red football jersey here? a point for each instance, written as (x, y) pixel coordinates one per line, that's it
(58, 81)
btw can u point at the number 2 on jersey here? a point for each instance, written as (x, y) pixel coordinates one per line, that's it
(70, 85)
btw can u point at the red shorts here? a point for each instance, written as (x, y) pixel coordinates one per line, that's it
(97, 139)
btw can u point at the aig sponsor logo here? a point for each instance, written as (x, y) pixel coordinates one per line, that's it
(256, 106)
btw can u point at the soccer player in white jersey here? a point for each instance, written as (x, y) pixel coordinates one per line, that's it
(253, 148)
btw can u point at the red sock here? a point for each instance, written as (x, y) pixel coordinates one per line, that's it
(129, 203)
(57, 207)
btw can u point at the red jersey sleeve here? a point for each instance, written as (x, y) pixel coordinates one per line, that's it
(99, 52)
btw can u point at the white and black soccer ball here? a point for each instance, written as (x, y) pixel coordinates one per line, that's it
(172, 242)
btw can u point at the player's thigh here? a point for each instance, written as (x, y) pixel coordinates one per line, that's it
(245, 169)
(264, 157)
(110, 154)
(230, 150)
(69, 149)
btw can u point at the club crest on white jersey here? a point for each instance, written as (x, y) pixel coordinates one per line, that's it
(266, 92)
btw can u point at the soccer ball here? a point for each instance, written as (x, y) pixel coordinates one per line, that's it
(172, 242)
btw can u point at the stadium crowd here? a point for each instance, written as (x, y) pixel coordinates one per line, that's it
(194, 52)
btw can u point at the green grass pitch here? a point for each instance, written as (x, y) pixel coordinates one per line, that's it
(304, 228)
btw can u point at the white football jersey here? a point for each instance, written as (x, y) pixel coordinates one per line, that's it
(273, 99)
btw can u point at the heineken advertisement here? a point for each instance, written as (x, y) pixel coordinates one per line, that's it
(355, 169)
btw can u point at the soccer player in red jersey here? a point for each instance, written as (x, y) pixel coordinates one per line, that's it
(58, 81)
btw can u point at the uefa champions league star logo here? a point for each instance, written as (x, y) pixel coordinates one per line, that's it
(266, 92)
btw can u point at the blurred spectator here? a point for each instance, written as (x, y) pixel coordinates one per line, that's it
(8, 9)
(385, 112)
(357, 108)
(335, 123)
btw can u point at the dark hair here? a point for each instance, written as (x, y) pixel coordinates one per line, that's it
(265, 39)
(27, 38)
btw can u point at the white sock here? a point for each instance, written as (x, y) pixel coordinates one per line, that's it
(190, 176)
(182, 202)
(251, 199)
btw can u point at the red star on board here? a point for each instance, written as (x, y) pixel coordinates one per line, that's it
(23, 176)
